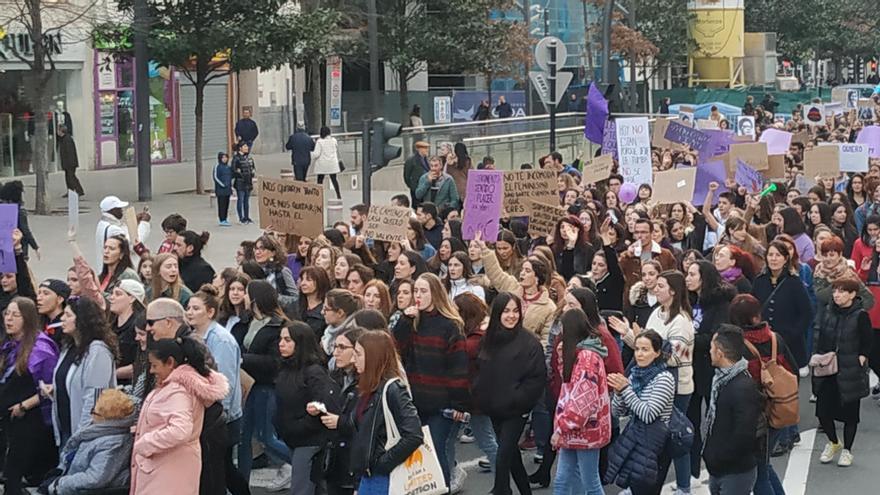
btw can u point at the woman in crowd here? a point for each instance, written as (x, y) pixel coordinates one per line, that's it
(819, 214)
(582, 423)
(117, 265)
(843, 226)
(846, 334)
(402, 297)
(28, 357)
(86, 366)
(430, 336)
(259, 359)
(790, 222)
(302, 380)
(409, 265)
(145, 269)
(201, 313)
(357, 278)
(270, 254)
(167, 281)
(510, 379)
(508, 253)
(709, 296)
(326, 159)
(297, 248)
(378, 298)
(325, 259)
(459, 278)
(166, 453)
(855, 190)
(126, 304)
(339, 305)
(736, 233)
(194, 270)
(439, 263)
(642, 300)
(234, 315)
(735, 266)
(864, 245)
(415, 235)
(343, 265)
(645, 395)
(606, 273)
(786, 305)
(571, 247)
(313, 288)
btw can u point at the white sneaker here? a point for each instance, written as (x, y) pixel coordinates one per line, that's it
(831, 449)
(625, 491)
(812, 398)
(875, 392)
(846, 458)
(456, 483)
(679, 491)
(804, 372)
(466, 438)
(282, 479)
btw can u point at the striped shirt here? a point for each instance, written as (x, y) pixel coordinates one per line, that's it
(655, 401)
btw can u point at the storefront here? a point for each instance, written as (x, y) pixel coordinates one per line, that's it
(115, 112)
(64, 94)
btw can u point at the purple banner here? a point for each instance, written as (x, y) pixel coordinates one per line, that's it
(609, 139)
(748, 177)
(708, 172)
(482, 204)
(870, 136)
(683, 134)
(777, 141)
(597, 115)
(718, 144)
(8, 223)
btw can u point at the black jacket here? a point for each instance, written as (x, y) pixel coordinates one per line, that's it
(732, 445)
(367, 432)
(338, 469)
(261, 359)
(293, 390)
(300, 146)
(788, 311)
(848, 331)
(247, 130)
(581, 264)
(67, 153)
(609, 290)
(512, 378)
(243, 171)
(712, 312)
(313, 317)
(214, 441)
(195, 272)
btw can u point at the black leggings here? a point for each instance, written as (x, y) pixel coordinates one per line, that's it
(32, 451)
(849, 432)
(874, 356)
(509, 460)
(332, 180)
(695, 414)
(235, 481)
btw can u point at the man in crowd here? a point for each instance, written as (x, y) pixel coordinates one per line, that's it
(428, 217)
(715, 220)
(415, 167)
(358, 222)
(165, 319)
(503, 109)
(437, 186)
(246, 130)
(111, 223)
(51, 297)
(300, 146)
(172, 226)
(643, 249)
(69, 160)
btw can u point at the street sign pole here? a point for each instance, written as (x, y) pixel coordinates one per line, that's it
(366, 163)
(553, 61)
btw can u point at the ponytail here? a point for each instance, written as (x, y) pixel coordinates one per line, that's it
(184, 350)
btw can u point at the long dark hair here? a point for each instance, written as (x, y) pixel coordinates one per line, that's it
(575, 328)
(873, 220)
(680, 303)
(495, 333)
(306, 351)
(712, 286)
(184, 350)
(559, 243)
(589, 304)
(419, 242)
(124, 260)
(264, 297)
(792, 222)
(30, 329)
(91, 325)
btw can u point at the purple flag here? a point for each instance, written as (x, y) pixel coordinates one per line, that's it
(870, 136)
(597, 115)
(8, 223)
(609, 139)
(708, 172)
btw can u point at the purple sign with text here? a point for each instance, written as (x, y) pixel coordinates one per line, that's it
(870, 136)
(708, 172)
(609, 139)
(683, 134)
(8, 223)
(718, 144)
(482, 204)
(748, 177)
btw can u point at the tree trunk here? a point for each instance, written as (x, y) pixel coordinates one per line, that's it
(40, 150)
(315, 109)
(403, 95)
(199, 110)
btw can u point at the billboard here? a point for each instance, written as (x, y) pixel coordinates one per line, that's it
(465, 103)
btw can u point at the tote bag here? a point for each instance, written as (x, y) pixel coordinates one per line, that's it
(420, 473)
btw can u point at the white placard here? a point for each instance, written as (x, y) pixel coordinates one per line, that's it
(814, 114)
(634, 150)
(853, 157)
(72, 211)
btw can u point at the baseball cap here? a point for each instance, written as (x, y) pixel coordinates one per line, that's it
(134, 289)
(59, 287)
(111, 202)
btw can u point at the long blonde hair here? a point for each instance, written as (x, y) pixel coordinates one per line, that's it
(440, 299)
(157, 285)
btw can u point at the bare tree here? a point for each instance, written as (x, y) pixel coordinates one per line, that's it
(42, 22)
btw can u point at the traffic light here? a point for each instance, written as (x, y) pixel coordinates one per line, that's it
(381, 151)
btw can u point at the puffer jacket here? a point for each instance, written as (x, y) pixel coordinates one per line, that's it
(243, 171)
(96, 457)
(511, 378)
(848, 331)
(367, 432)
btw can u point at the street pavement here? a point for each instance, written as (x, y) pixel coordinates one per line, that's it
(801, 471)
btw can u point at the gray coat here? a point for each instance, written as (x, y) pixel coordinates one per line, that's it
(85, 380)
(101, 454)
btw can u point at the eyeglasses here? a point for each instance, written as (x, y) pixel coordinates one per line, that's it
(153, 321)
(343, 347)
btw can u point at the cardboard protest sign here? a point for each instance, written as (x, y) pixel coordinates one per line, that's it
(748, 177)
(542, 221)
(387, 223)
(658, 135)
(674, 185)
(609, 139)
(822, 161)
(291, 207)
(802, 137)
(870, 136)
(853, 157)
(131, 223)
(707, 124)
(713, 171)
(8, 223)
(776, 168)
(482, 204)
(683, 134)
(803, 183)
(634, 150)
(523, 186)
(777, 141)
(755, 154)
(814, 114)
(597, 169)
(686, 115)
(745, 126)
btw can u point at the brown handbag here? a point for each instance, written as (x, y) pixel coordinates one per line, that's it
(780, 387)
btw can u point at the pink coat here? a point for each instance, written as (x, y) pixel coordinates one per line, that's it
(166, 457)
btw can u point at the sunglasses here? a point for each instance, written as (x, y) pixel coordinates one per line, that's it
(153, 321)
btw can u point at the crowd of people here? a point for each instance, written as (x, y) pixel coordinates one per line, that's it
(635, 338)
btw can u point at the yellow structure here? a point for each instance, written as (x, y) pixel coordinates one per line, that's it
(716, 28)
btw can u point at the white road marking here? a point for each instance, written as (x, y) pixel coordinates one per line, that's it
(795, 480)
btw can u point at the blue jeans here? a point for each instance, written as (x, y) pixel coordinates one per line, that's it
(732, 484)
(242, 205)
(441, 433)
(767, 482)
(577, 473)
(682, 463)
(484, 434)
(450, 445)
(259, 409)
(374, 485)
(542, 424)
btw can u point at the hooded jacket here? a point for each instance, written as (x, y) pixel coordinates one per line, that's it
(166, 457)
(222, 176)
(96, 457)
(294, 389)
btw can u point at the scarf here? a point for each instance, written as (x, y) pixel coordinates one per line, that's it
(639, 377)
(732, 274)
(831, 273)
(594, 344)
(722, 377)
(253, 328)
